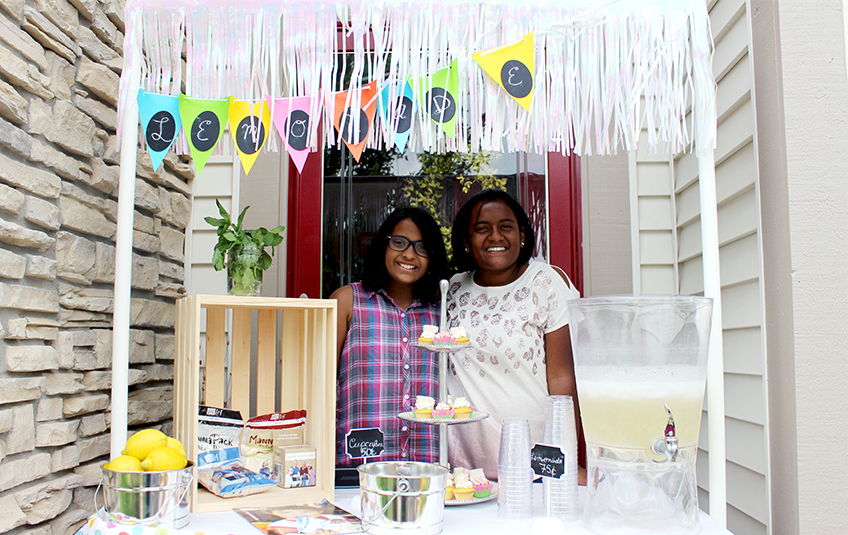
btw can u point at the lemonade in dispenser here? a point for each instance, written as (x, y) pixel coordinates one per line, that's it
(641, 365)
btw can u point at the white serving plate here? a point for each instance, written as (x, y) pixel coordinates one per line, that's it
(476, 416)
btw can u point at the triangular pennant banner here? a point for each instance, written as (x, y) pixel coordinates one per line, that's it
(437, 95)
(512, 67)
(203, 122)
(354, 124)
(160, 119)
(291, 118)
(398, 113)
(249, 126)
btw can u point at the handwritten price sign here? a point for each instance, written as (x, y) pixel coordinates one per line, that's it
(547, 461)
(364, 443)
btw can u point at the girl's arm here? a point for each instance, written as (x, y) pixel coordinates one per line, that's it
(560, 374)
(344, 311)
(559, 363)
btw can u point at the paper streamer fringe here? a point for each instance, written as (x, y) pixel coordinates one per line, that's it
(604, 70)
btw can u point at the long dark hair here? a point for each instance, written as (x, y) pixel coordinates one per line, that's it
(464, 261)
(376, 276)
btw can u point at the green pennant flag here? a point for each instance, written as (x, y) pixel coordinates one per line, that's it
(437, 95)
(203, 123)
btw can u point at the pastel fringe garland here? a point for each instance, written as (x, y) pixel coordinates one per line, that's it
(604, 70)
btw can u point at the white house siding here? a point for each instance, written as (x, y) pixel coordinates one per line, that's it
(652, 222)
(605, 195)
(740, 257)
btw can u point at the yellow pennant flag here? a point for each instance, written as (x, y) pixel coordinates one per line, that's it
(249, 126)
(512, 67)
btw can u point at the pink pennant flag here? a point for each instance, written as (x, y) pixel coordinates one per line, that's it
(291, 117)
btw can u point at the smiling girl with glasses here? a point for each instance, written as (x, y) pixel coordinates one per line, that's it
(380, 370)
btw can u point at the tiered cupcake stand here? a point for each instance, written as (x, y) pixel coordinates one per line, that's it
(443, 424)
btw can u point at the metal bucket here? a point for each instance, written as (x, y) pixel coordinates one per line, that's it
(160, 498)
(402, 495)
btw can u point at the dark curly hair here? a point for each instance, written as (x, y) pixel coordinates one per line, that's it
(464, 261)
(375, 275)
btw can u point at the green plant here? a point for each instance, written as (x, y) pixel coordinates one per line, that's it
(233, 240)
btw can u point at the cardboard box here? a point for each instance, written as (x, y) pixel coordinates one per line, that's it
(296, 466)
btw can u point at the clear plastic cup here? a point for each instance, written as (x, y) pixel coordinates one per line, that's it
(559, 496)
(515, 478)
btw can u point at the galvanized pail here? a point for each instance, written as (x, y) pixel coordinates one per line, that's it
(161, 498)
(402, 495)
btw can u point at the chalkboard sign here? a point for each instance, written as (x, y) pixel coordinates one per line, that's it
(363, 443)
(547, 461)
(441, 104)
(346, 122)
(404, 114)
(205, 131)
(298, 128)
(250, 134)
(160, 131)
(516, 78)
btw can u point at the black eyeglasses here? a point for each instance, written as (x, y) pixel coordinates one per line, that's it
(401, 244)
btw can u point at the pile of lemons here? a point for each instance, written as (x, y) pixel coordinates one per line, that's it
(149, 450)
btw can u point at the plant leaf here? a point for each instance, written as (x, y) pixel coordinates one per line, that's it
(215, 222)
(241, 217)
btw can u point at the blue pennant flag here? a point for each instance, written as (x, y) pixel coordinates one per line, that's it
(160, 119)
(398, 114)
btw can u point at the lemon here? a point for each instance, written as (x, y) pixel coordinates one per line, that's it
(124, 463)
(176, 444)
(142, 443)
(163, 458)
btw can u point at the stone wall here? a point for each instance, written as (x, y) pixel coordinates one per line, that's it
(60, 63)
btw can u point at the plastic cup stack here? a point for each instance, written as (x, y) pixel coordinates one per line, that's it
(559, 496)
(515, 477)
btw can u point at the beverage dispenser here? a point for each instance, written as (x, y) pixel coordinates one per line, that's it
(641, 365)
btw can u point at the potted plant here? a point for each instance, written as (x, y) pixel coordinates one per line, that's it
(243, 251)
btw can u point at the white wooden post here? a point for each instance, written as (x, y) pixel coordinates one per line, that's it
(123, 268)
(715, 362)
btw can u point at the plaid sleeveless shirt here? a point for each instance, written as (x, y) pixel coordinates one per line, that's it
(381, 373)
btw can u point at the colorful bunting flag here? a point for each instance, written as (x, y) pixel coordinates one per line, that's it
(291, 118)
(203, 121)
(353, 124)
(398, 114)
(512, 67)
(249, 126)
(160, 119)
(437, 95)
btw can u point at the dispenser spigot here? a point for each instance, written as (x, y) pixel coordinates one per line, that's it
(668, 444)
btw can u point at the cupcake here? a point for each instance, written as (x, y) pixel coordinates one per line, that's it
(461, 338)
(463, 489)
(444, 338)
(449, 487)
(461, 408)
(482, 486)
(427, 334)
(424, 406)
(443, 411)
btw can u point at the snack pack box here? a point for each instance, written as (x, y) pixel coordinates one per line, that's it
(295, 466)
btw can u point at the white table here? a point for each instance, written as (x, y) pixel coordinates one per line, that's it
(457, 520)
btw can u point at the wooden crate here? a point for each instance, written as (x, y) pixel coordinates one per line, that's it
(307, 352)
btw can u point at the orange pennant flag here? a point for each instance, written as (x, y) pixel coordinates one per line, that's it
(512, 67)
(249, 126)
(354, 124)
